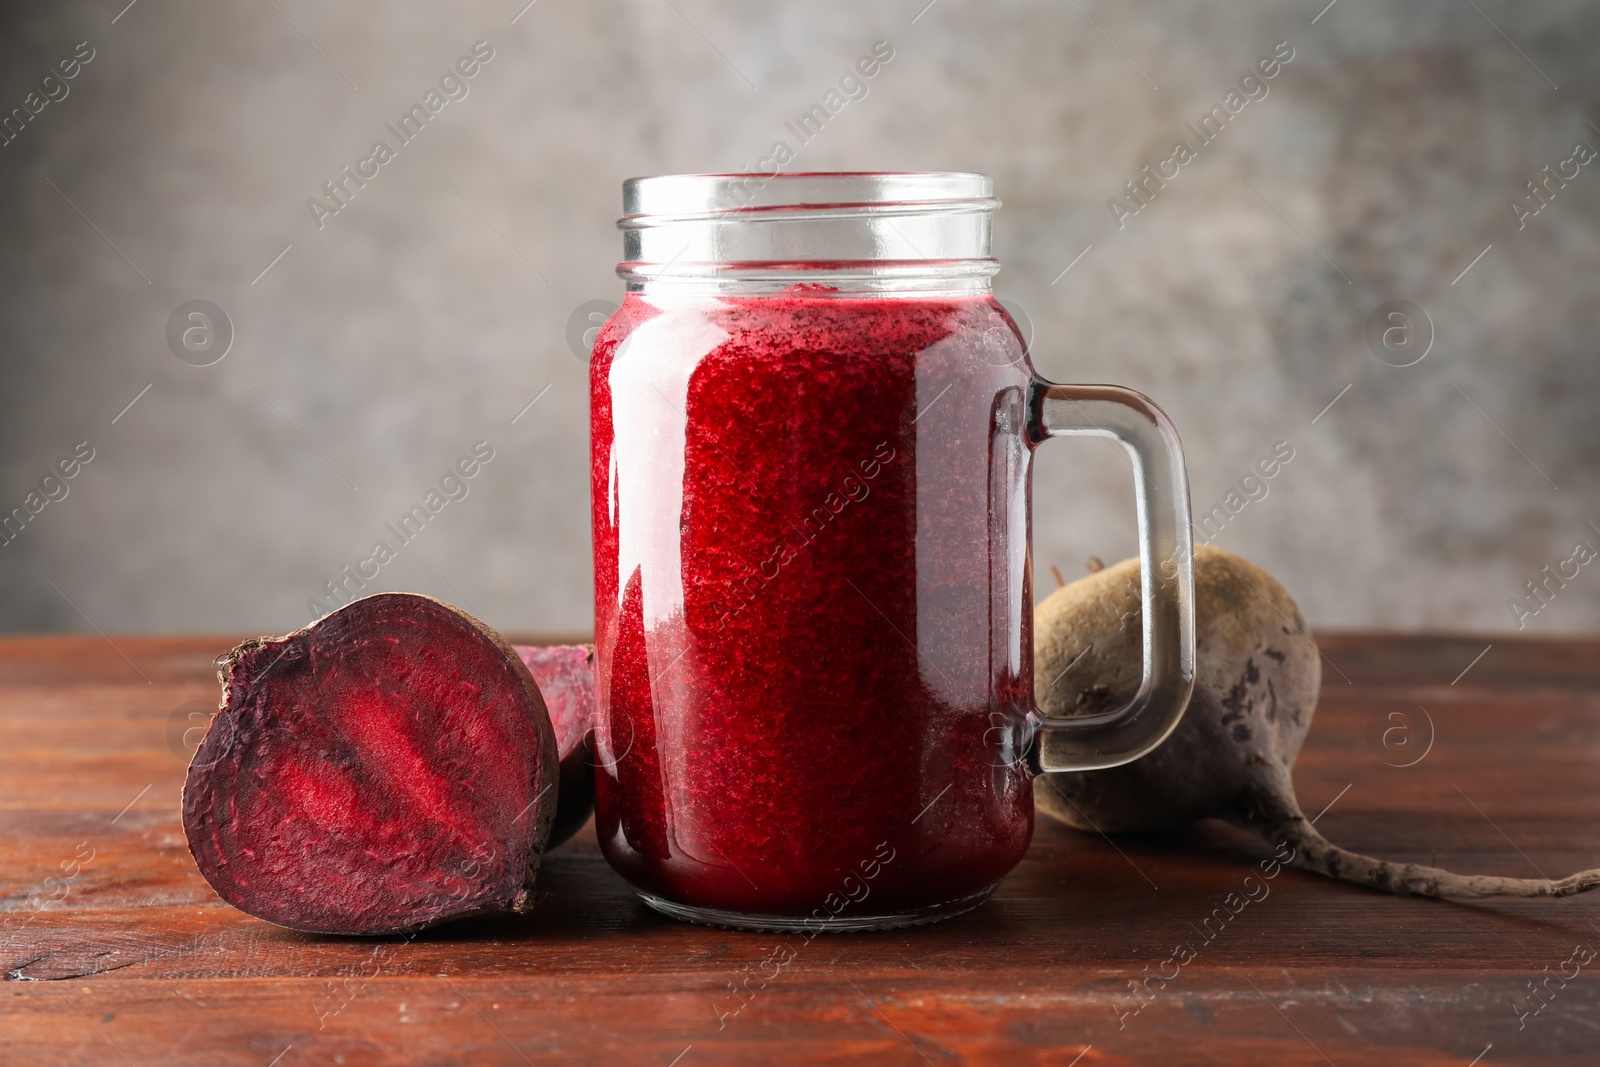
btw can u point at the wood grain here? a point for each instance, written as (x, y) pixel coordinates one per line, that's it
(134, 959)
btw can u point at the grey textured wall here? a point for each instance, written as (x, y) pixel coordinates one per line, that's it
(427, 313)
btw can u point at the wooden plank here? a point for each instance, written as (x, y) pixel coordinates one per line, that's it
(135, 960)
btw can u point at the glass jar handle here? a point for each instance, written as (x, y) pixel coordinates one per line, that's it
(1161, 486)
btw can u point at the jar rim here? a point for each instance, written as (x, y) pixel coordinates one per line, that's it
(680, 198)
(870, 230)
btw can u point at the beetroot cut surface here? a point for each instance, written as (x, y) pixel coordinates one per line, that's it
(565, 674)
(390, 766)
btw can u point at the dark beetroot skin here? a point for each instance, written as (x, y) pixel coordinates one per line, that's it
(388, 767)
(565, 674)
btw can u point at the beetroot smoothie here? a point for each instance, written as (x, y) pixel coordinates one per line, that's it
(812, 599)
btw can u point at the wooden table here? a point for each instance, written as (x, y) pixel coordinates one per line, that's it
(138, 962)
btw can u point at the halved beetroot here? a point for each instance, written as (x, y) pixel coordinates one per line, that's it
(565, 674)
(390, 766)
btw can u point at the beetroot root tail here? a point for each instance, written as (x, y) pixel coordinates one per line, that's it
(1277, 817)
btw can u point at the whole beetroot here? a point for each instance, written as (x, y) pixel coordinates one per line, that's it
(1256, 680)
